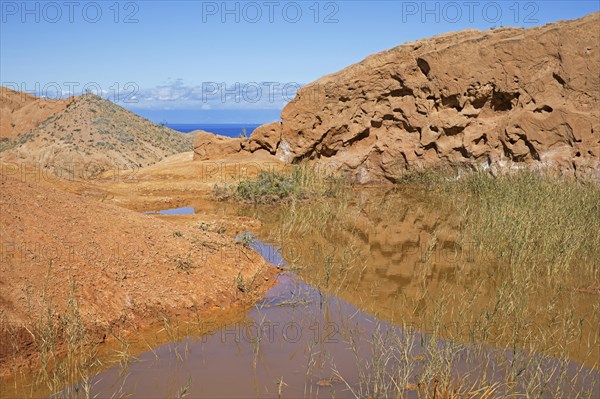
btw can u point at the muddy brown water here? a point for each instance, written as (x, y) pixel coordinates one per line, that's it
(302, 342)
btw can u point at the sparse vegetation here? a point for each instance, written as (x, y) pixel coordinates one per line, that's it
(542, 225)
(204, 226)
(299, 182)
(184, 264)
(246, 286)
(60, 345)
(7, 143)
(246, 239)
(426, 176)
(91, 126)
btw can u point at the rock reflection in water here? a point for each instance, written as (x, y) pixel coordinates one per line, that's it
(302, 342)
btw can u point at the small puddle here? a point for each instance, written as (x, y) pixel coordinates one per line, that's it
(301, 342)
(186, 210)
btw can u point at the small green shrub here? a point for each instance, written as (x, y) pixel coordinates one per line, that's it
(268, 187)
(299, 182)
(246, 286)
(246, 239)
(204, 226)
(184, 264)
(223, 192)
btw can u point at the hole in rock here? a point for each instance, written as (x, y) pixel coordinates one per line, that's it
(423, 66)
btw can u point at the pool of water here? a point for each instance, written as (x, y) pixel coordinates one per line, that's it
(300, 341)
(185, 210)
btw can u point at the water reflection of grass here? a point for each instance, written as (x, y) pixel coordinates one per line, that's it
(522, 275)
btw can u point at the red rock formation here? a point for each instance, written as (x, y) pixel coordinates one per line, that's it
(501, 99)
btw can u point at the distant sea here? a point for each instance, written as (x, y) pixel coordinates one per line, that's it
(229, 130)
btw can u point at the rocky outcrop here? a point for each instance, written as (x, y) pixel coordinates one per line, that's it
(207, 145)
(266, 137)
(501, 99)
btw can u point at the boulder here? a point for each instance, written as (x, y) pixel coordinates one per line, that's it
(210, 146)
(265, 137)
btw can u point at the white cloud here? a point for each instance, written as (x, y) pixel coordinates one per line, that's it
(213, 95)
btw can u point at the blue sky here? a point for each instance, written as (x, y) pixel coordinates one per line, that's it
(215, 61)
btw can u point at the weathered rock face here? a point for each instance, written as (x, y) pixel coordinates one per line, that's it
(207, 145)
(265, 137)
(501, 99)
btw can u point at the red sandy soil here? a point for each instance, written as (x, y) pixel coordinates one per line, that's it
(169, 183)
(126, 267)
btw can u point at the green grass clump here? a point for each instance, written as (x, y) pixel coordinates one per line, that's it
(184, 264)
(268, 187)
(300, 182)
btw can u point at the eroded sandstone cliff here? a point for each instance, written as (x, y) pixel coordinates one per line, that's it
(501, 99)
